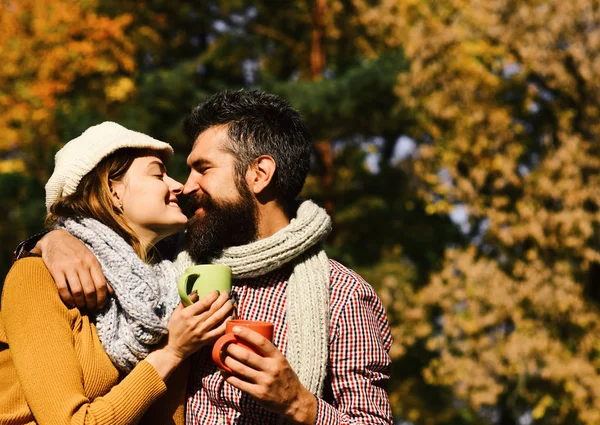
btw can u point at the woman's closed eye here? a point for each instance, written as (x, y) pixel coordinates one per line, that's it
(157, 169)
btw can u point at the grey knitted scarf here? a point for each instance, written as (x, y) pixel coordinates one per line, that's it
(135, 319)
(307, 291)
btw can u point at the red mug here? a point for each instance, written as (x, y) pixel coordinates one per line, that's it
(263, 328)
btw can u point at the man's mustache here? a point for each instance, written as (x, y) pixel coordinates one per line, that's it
(190, 203)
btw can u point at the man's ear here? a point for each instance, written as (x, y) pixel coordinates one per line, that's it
(260, 173)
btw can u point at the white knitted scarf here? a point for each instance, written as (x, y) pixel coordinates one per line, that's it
(307, 291)
(135, 319)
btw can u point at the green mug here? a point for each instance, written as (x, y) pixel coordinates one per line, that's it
(203, 278)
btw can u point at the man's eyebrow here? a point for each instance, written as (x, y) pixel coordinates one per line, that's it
(199, 163)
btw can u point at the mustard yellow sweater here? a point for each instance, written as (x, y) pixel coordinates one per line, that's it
(53, 369)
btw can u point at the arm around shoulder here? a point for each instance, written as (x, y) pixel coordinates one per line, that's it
(76, 271)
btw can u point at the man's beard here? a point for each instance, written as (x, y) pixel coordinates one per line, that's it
(223, 224)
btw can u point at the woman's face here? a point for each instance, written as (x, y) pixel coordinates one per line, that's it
(148, 198)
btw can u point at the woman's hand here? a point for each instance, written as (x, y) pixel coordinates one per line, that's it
(190, 328)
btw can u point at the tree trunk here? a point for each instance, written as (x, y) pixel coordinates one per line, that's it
(317, 66)
(317, 53)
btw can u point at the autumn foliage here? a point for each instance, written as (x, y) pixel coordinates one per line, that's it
(493, 324)
(505, 97)
(50, 48)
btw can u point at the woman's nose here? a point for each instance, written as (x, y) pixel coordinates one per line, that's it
(175, 186)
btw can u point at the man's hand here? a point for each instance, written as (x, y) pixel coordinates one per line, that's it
(270, 378)
(75, 270)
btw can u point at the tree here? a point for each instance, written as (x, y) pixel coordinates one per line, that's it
(327, 58)
(507, 125)
(381, 228)
(50, 49)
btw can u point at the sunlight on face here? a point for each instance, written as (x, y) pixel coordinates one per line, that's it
(149, 199)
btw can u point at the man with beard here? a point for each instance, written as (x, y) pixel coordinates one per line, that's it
(328, 362)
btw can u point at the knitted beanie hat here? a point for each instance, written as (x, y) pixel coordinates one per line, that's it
(80, 155)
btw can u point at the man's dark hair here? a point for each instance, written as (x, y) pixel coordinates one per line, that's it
(259, 124)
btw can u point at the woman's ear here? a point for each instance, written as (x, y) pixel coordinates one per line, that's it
(116, 192)
(260, 173)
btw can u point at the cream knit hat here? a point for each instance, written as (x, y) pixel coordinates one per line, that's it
(80, 155)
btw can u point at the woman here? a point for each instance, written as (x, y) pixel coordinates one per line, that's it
(58, 365)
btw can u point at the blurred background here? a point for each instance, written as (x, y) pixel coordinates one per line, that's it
(456, 150)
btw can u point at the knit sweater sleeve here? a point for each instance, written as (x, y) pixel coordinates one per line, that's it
(169, 409)
(39, 329)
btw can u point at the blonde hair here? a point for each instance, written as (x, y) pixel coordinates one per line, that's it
(93, 199)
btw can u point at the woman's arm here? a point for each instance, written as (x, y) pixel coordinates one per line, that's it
(39, 331)
(169, 409)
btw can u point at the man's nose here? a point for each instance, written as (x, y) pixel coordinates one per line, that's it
(190, 186)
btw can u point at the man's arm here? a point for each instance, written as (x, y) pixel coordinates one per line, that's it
(360, 365)
(27, 247)
(73, 267)
(359, 369)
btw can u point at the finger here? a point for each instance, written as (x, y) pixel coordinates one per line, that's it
(214, 334)
(75, 288)
(225, 311)
(203, 304)
(110, 289)
(100, 284)
(234, 302)
(255, 339)
(193, 297)
(246, 356)
(246, 387)
(217, 317)
(220, 315)
(241, 369)
(234, 313)
(63, 290)
(219, 302)
(89, 290)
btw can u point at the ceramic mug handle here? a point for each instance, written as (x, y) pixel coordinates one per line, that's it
(182, 285)
(218, 348)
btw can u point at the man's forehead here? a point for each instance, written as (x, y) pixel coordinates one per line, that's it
(209, 144)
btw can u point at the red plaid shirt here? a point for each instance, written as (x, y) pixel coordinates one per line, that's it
(359, 364)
